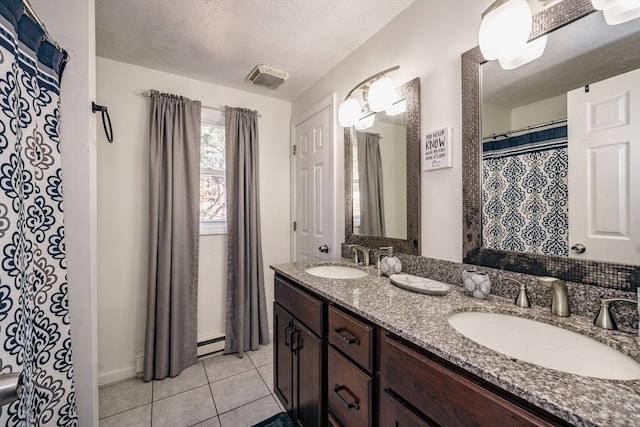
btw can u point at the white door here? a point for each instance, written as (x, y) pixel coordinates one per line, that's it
(604, 169)
(313, 183)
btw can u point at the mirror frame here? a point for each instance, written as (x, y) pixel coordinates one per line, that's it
(410, 245)
(605, 274)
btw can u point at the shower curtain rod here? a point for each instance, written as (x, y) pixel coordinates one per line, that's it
(541, 125)
(148, 95)
(28, 10)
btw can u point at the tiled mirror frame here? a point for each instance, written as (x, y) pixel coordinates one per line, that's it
(605, 274)
(410, 245)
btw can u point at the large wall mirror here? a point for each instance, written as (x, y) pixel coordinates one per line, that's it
(382, 179)
(530, 193)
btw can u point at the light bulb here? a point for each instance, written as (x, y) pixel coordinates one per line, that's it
(396, 108)
(349, 112)
(618, 11)
(505, 30)
(365, 122)
(381, 94)
(532, 50)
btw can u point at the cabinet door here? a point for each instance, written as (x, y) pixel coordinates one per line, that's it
(394, 414)
(282, 356)
(308, 398)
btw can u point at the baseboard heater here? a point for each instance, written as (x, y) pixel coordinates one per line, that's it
(210, 344)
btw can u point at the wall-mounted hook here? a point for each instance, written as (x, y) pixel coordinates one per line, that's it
(105, 113)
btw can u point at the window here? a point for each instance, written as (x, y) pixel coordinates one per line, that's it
(213, 207)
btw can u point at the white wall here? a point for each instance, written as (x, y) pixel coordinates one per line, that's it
(72, 25)
(543, 111)
(426, 40)
(123, 207)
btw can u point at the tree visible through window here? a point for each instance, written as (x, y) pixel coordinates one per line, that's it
(213, 210)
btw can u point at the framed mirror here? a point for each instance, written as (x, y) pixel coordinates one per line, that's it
(382, 179)
(479, 94)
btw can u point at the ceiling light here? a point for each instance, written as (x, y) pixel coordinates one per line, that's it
(532, 50)
(618, 11)
(505, 29)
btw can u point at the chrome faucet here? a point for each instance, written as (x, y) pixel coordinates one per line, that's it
(560, 298)
(604, 319)
(365, 254)
(522, 300)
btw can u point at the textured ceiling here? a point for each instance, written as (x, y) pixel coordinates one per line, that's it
(220, 41)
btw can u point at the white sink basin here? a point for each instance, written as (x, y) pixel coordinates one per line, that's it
(545, 345)
(336, 272)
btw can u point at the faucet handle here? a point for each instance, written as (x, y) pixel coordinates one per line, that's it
(604, 319)
(522, 300)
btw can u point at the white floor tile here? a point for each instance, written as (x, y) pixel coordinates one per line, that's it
(191, 377)
(184, 409)
(233, 392)
(251, 413)
(137, 417)
(266, 372)
(223, 366)
(122, 396)
(261, 357)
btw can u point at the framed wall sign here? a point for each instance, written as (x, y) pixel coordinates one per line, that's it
(437, 150)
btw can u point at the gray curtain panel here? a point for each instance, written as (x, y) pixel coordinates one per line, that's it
(174, 220)
(370, 176)
(246, 319)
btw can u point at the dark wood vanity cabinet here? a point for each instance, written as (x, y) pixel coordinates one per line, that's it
(334, 368)
(421, 391)
(351, 396)
(298, 367)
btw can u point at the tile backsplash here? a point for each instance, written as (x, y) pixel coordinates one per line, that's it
(584, 300)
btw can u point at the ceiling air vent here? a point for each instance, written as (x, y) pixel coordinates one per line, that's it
(267, 76)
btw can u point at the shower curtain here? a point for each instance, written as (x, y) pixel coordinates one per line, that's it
(34, 308)
(525, 193)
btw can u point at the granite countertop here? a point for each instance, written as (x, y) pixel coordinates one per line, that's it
(422, 320)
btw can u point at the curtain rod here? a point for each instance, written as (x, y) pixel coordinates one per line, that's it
(148, 95)
(28, 9)
(541, 125)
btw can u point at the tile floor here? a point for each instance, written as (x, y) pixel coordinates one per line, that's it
(218, 391)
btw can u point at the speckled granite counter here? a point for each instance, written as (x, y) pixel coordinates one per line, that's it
(422, 320)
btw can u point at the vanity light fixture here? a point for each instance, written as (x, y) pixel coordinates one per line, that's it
(366, 122)
(396, 108)
(618, 11)
(505, 29)
(504, 33)
(378, 94)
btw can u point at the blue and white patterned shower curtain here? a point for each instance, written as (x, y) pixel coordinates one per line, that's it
(34, 310)
(525, 193)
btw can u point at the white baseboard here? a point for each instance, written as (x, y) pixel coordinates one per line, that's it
(115, 376)
(216, 344)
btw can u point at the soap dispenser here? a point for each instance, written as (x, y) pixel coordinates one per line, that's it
(390, 264)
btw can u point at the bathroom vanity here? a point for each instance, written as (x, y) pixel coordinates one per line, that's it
(362, 352)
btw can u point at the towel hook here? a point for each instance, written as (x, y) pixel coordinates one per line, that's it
(105, 113)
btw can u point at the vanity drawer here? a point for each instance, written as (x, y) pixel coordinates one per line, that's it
(303, 306)
(351, 336)
(445, 396)
(394, 413)
(350, 391)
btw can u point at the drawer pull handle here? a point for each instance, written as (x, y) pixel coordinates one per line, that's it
(349, 340)
(350, 405)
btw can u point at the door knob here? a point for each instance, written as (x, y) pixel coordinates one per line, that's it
(578, 248)
(324, 249)
(10, 388)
